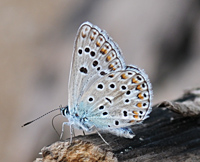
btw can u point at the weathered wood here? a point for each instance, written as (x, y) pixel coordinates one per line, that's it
(165, 136)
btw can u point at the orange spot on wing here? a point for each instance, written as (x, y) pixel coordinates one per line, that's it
(103, 51)
(92, 38)
(83, 35)
(108, 58)
(110, 66)
(123, 76)
(140, 96)
(135, 112)
(134, 80)
(98, 44)
(131, 121)
(139, 104)
(86, 29)
(136, 117)
(138, 87)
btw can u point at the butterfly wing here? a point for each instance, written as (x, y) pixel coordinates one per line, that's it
(102, 91)
(118, 100)
(94, 55)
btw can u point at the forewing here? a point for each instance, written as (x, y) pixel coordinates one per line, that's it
(94, 56)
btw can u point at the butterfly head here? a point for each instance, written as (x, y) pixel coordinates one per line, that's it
(64, 111)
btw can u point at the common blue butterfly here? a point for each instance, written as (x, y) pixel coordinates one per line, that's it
(103, 93)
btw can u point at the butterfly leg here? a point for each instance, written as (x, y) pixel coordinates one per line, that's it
(100, 135)
(102, 138)
(83, 132)
(71, 132)
(63, 126)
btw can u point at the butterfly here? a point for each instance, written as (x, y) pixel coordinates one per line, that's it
(104, 94)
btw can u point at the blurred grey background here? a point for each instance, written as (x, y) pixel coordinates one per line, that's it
(36, 44)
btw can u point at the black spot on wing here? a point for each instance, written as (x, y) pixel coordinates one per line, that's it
(83, 70)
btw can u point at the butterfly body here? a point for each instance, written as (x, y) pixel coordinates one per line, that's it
(80, 122)
(104, 93)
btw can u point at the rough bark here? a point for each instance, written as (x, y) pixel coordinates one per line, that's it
(172, 133)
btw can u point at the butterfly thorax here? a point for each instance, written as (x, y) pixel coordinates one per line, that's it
(79, 121)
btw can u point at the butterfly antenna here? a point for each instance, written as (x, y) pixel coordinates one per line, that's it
(39, 117)
(53, 124)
